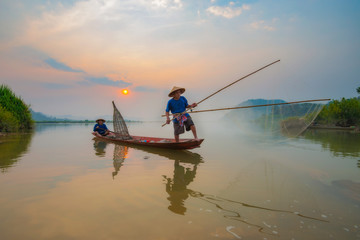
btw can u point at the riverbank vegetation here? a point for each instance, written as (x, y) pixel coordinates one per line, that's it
(337, 114)
(14, 112)
(342, 113)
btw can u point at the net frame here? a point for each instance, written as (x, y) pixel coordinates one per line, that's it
(120, 129)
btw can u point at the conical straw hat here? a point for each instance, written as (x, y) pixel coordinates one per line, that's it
(174, 89)
(100, 119)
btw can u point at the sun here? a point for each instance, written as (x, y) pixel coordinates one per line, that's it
(125, 91)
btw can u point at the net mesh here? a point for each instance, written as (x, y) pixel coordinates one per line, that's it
(300, 117)
(284, 120)
(120, 128)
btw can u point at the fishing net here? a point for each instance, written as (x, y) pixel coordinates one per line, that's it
(288, 120)
(297, 118)
(120, 129)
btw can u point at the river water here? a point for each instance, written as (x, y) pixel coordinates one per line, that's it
(59, 183)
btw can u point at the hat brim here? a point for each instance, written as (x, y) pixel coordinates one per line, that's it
(172, 92)
(100, 119)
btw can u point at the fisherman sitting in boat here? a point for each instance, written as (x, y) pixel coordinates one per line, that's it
(101, 129)
(178, 104)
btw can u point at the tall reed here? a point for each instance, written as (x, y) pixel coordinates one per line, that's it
(14, 113)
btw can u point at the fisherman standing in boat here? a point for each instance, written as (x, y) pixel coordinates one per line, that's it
(178, 104)
(101, 128)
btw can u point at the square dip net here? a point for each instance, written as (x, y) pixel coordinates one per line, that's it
(120, 129)
(280, 120)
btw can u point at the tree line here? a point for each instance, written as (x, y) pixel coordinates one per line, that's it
(14, 112)
(343, 113)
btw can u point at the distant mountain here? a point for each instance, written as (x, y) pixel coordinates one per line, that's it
(260, 101)
(252, 113)
(38, 117)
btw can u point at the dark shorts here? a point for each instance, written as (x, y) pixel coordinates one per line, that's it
(187, 124)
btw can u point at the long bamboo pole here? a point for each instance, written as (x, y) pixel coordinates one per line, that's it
(237, 81)
(253, 106)
(232, 84)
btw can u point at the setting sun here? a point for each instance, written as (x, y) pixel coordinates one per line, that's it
(125, 91)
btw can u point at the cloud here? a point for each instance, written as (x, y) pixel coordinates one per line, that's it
(172, 4)
(246, 7)
(39, 59)
(262, 25)
(228, 11)
(61, 66)
(144, 89)
(108, 82)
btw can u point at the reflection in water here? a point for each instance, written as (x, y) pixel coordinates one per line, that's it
(120, 154)
(340, 143)
(99, 147)
(178, 191)
(12, 147)
(183, 175)
(185, 166)
(177, 187)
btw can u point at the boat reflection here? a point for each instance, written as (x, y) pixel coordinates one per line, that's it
(12, 147)
(121, 151)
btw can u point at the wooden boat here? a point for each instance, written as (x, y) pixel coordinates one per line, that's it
(183, 156)
(155, 142)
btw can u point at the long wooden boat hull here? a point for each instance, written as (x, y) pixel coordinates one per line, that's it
(156, 142)
(183, 156)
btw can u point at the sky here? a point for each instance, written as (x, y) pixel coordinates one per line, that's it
(73, 57)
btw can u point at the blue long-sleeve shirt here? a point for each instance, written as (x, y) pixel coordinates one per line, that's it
(102, 128)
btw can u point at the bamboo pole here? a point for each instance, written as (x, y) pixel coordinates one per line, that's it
(238, 81)
(263, 105)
